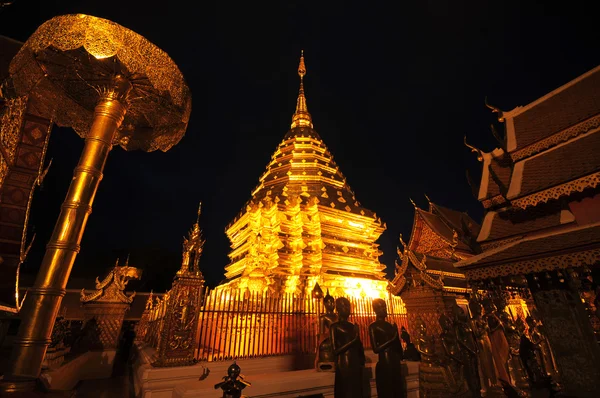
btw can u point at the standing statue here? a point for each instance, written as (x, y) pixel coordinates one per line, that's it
(325, 358)
(516, 370)
(386, 342)
(349, 353)
(487, 369)
(528, 356)
(410, 353)
(500, 349)
(468, 346)
(232, 384)
(454, 361)
(537, 337)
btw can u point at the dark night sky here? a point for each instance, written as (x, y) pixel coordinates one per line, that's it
(392, 91)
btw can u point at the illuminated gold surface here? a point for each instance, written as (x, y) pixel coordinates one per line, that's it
(71, 59)
(112, 287)
(43, 300)
(303, 224)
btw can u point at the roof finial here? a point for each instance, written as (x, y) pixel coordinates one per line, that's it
(413, 202)
(199, 212)
(301, 117)
(474, 150)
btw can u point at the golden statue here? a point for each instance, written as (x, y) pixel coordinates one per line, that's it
(193, 246)
(500, 349)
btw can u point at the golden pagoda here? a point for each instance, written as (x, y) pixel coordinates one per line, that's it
(304, 225)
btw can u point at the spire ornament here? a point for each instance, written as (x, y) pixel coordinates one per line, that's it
(301, 117)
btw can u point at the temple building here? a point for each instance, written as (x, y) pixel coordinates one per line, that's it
(426, 277)
(540, 235)
(304, 225)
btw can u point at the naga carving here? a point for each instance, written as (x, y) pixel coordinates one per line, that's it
(112, 287)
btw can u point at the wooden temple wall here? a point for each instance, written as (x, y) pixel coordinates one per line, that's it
(234, 325)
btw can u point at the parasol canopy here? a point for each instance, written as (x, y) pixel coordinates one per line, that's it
(71, 60)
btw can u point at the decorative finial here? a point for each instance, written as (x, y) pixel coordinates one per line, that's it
(413, 202)
(427, 197)
(117, 262)
(495, 109)
(301, 117)
(402, 242)
(127, 261)
(199, 212)
(475, 150)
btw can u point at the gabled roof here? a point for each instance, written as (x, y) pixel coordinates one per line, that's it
(560, 109)
(578, 245)
(563, 163)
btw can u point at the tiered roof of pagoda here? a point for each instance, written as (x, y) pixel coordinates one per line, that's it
(440, 237)
(303, 219)
(544, 181)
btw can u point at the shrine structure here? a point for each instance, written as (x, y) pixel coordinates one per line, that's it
(425, 275)
(304, 225)
(540, 235)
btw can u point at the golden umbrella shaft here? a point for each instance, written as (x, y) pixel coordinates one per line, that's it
(43, 300)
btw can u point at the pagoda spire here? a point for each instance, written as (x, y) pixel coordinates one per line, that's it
(301, 117)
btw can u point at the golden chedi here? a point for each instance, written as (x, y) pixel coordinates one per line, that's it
(304, 225)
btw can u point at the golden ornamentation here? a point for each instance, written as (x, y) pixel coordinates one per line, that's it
(585, 257)
(578, 185)
(177, 315)
(301, 117)
(193, 246)
(479, 152)
(560, 137)
(112, 287)
(68, 63)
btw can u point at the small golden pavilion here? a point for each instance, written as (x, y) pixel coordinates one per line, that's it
(303, 224)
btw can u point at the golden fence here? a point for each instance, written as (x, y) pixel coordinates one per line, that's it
(233, 325)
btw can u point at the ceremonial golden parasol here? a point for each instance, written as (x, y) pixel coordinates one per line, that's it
(114, 88)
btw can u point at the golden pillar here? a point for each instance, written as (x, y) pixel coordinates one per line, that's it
(113, 87)
(43, 300)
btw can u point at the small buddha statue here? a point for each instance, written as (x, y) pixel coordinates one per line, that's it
(325, 359)
(232, 384)
(410, 352)
(385, 342)
(349, 353)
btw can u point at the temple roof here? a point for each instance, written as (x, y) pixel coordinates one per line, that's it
(562, 108)
(443, 223)
(560, 164)
(506, 223)
(578, 245)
